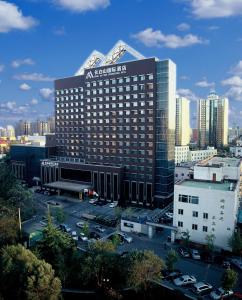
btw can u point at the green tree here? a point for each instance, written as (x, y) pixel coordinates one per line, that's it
(24, 276)
(116, 240)
(186, 238)
(235, 242)
(60, 215)
(210, 238)
(9, 230)
(229, 279)
(86, 229)
(57, 248)
(171, 259)
(146, 267)
(101, 267)
(7, 179)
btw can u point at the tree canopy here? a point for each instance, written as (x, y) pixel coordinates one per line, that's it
(24, 276)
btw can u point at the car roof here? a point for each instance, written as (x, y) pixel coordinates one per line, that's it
(200, 284)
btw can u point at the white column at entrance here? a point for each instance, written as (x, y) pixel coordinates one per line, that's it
(151, 231)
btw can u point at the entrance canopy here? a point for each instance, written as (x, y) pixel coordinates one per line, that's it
(68, 186)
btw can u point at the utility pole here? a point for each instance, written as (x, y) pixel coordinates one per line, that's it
(20, 223)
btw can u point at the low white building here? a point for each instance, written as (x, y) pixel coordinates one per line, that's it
(208, 204)
(236, 151)
(184, 171)
(184, 154)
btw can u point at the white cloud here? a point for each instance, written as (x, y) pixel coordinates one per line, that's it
(19, 62)
(34, 101)
(204, 83)
(82, 5)
(2, 68)
(11, 18)
(59, 31)
(237, 70)
(151, 38)
(213, 27)
(187, 93)
(233, 81)
(207, 9)
(235, 92)
(33, 77)
(47, 93)
(184, 77)
(183, 27)
(9, 105)
(24, 87)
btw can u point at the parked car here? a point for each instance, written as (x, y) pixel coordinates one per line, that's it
(65, 228)
(185, 280)
(94, 235)
(113, 204)
(127, 238)
(100, 228)
(92, 201)
(83, 237)
(195, 254)
(226, 264)
(80, 224)
(202, 288)
(184, 252)
(237, 263)
(220, 293)
(167, 275)
(74, 235)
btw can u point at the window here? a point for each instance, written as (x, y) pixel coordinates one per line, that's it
(193, 199)
(205, 215)
(180, 211)
(194, 226)
(205, 228)
(180, 224)
(195, 214)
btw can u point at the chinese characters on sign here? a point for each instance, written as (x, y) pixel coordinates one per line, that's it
(106, 72)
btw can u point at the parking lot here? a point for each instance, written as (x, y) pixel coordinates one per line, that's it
(76, 211)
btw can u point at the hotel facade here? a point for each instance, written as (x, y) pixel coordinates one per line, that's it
(115, 130)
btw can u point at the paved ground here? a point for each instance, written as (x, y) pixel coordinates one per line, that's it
(74, 210)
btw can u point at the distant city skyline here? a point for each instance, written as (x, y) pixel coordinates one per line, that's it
(44, 40)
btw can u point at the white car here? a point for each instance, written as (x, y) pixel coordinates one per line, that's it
(83, 237)
(100, 228)
(80, 224)
(184, 280)
(92, 201)
(195, 254)
(201, 288)
(220, 293)
(127, 238)
(113, 204)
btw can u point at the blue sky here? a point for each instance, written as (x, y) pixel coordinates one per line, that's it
(41, 40)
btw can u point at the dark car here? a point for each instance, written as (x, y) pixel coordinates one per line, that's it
(65, 228)
(168, 275)
(94, 235)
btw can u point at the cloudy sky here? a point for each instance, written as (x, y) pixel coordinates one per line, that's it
(41, 40)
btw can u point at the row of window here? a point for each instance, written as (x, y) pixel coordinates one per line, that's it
(194, 226)
(115, 136)
(120, 89)
(188, 199)
(194, 213)
(120, 80)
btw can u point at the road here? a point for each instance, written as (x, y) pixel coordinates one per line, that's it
(74, 209)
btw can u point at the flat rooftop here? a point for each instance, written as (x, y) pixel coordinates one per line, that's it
(209, 185)
(217, 161)
(68, 186)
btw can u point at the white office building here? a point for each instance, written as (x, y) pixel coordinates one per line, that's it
(208, 204)
(184, 154)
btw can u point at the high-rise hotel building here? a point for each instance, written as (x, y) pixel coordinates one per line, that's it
(115, 128)
(182, 133)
